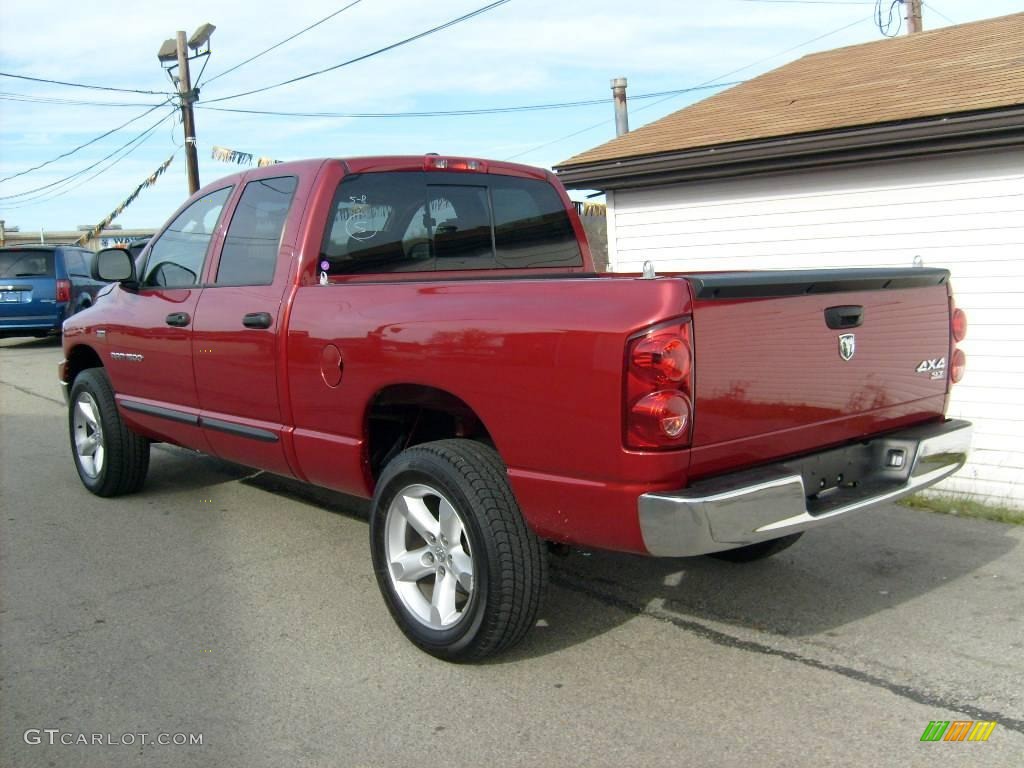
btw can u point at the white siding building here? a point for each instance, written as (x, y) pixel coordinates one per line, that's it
(938, 182)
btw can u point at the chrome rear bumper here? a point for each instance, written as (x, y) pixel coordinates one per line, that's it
(768, 502)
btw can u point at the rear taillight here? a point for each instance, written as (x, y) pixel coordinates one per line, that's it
(664, 360)
(958, 325)
(63, 290)
(659, 387)
(958, 366)
(958, 331)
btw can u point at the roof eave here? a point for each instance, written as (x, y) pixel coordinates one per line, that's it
(909, 138)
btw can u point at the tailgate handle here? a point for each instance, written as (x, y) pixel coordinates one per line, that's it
(844, 317)
(177, 319)
(257, 320)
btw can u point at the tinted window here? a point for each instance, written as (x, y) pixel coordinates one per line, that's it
(176, 259)
(27, 263)
(531, 225)
(398, 222)
(378, 225)
(460, 221)
(75, 263)
(250, 248)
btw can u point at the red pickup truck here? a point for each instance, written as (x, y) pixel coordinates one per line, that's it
(429, 332)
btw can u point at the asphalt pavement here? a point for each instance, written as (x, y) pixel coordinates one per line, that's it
(240, 609)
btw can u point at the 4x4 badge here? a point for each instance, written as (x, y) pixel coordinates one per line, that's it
(847, 345)
(936, 369)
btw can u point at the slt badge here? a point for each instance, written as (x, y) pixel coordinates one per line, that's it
(847, 346)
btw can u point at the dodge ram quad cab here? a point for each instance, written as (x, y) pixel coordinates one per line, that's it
(429, 332)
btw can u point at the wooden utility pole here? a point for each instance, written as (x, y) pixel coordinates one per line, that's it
(187, 118)
(913, 16)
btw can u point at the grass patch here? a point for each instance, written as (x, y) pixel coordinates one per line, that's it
(961, 507)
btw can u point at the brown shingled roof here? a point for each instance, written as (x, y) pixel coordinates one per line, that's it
(964, 68)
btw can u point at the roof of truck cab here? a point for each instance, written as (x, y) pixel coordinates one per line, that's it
(386, 163)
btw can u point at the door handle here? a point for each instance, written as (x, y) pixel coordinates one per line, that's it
(257, 320)
(837, 318)
(178, 319)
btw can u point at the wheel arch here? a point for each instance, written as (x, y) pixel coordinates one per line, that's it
(80, 358)
(399, 416)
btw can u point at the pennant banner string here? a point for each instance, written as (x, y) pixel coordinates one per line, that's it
(225, 155)
(95, 231)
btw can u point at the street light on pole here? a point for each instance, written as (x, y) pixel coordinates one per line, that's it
(173, 54)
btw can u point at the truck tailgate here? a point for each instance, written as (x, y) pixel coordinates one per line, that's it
(773, 379)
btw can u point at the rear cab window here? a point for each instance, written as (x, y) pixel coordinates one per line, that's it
(435, 222)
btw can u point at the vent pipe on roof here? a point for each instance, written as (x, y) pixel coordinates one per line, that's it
(913, 17)
(621, 114)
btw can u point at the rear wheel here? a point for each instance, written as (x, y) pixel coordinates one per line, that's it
(111, 459)
(758, 551)
(460, 571)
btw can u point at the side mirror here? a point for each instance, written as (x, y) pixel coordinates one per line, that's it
(114, 265)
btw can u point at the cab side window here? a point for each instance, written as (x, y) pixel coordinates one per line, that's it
(176, 259)
(254, 235)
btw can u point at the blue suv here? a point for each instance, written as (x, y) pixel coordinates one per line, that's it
(41, 285)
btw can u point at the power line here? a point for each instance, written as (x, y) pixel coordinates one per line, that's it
(149, 181)
(931, 7)
(707, 84)
(65, 185)
(90, 167)
(886, 25)
(458, 112)
(82, 85)
(795, 47)
(206, 60)
(11, 96)
(53, 194)
(286, 40)
(385, 49)
(83, 146)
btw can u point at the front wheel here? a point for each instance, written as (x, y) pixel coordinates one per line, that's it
(460, 571)
(111, 459)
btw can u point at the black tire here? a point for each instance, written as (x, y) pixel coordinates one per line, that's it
(758, 551)
(124, 461)
(507, 563)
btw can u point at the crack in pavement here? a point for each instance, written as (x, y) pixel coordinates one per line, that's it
(32, 393)
(576, 583)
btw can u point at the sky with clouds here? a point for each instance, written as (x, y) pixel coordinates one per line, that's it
(522, 52)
